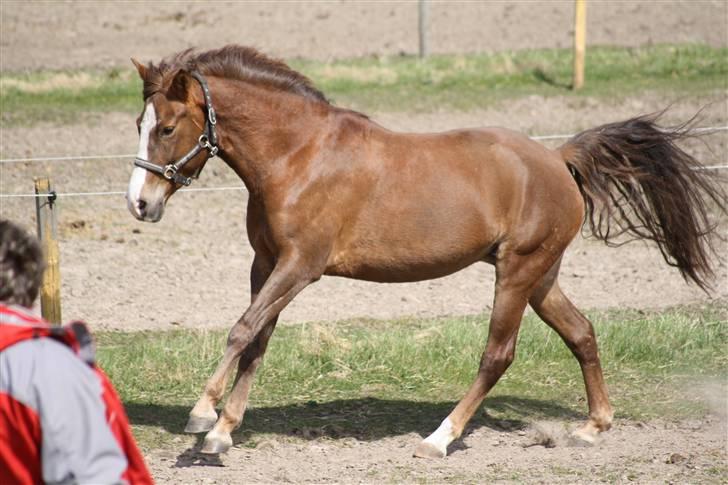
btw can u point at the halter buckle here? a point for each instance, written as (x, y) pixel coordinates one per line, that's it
(211, 116)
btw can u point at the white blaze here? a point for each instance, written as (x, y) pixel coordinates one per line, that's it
(139, 175)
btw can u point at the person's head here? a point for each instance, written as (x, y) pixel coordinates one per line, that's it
(21, 265)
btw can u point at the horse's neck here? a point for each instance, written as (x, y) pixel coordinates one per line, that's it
(259, 129)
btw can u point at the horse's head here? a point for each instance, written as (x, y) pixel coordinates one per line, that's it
(169, 131)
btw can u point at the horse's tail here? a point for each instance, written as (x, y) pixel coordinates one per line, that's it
(636, 180)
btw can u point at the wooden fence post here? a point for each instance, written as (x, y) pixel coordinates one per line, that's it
(50, 290)
(422, 27)
(579, 43)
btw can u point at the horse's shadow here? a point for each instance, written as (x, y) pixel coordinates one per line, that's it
(365, 419)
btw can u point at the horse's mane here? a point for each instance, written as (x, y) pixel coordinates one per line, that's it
(233, 62)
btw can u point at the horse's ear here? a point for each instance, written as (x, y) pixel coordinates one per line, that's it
(141, 69)
(178, 86)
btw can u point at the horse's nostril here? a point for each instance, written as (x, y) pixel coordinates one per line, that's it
(141, 205)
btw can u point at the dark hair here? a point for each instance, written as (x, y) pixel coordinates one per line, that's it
(233, 62)
(21, 265)
(635, 179)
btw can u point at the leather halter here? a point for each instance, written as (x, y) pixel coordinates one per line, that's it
(207, 140)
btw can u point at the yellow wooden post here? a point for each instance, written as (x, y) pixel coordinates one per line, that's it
(50, 290)
(579, 42)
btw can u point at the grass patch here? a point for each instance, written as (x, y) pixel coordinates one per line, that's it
(455, 82)
(67, 96)
(464, 82)
(370, 379)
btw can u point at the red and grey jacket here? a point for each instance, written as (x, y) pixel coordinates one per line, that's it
(61, 420)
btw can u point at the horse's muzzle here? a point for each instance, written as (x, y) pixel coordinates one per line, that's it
(145, 211)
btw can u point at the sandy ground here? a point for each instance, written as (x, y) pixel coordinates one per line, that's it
(655, 452)
(190, 270)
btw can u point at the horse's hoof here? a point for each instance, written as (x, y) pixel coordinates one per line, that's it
(428, 450)
(215, 444)
(582, 437)
(200, 424)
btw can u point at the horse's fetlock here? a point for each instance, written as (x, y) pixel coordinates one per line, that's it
(602, 420)
(214, 392)
(231, 422)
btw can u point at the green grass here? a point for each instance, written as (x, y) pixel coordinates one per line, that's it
(459, 82)
(370, 379)
(465, 82)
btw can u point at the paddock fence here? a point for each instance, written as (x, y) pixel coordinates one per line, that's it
(47, 223)
(65, 158)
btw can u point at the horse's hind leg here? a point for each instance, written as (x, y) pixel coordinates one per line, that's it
(516, 277)
(577, 332)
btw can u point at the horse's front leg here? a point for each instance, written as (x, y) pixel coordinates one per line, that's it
(248, 340)
(203, 416)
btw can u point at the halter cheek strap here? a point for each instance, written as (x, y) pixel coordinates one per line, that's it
(207, 141)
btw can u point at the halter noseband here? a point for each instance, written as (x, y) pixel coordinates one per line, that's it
(207, 140)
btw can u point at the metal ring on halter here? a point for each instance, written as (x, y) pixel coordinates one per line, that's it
(170, 171)
(204, 142)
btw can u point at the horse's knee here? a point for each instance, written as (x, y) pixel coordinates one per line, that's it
(249, 347)
(240, 337)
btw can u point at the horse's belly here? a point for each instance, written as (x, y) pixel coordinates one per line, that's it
(390, 259)
(398, 272)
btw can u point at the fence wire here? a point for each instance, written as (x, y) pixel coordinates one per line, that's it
(240, 188)
(66, 158)
(706, 129)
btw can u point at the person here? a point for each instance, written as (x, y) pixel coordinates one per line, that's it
(61, 420)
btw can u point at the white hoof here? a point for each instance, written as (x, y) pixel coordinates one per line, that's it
(216, 443)
(435, 445)
(428, 450)
(585, 436)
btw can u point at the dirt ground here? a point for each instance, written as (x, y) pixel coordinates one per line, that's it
(655, 452)
(82, 33)
(190, 270)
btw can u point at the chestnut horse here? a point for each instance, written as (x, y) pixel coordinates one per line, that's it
(333, 193)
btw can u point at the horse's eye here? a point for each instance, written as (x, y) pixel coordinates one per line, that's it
(167, 130)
